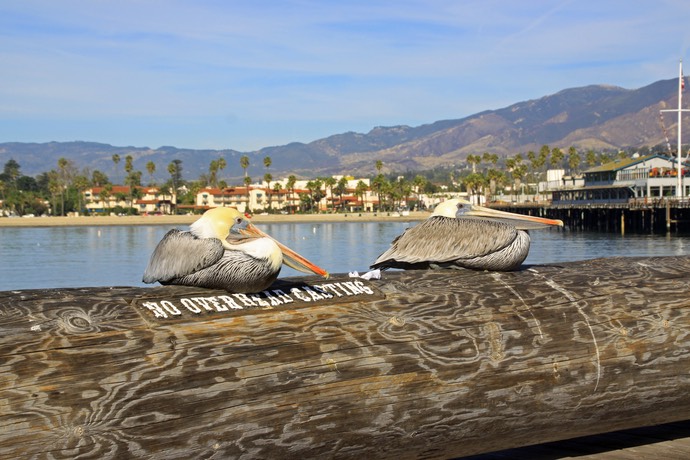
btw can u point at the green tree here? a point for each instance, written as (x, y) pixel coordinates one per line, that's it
(116, 161)
(221, 164)
(341, 188)
(247, 183)
(244, 163)
(591, 158)
(213, 173)
(104, 195)
(133, 180)
(175, 171)
(418, 183)
(330, 183)
(290, 185)
(557, 157)
(98, 179)
(574, 160)
(361, 190)
(474, 160)
(268, 178)
(474, 183)
(277, 188)
(151, 168)
(11, 172)
(80, 183)
(63, 163)
(379, 185)
(491, 158)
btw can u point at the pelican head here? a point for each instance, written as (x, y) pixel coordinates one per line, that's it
(220, 223)
(231, 227)
(459, 208)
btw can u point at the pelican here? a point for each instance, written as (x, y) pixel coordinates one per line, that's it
(222, 250)
(459, 234)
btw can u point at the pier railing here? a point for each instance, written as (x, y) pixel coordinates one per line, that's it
(420, 364)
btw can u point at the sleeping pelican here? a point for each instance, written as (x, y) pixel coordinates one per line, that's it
(222, 250)
(459, 234)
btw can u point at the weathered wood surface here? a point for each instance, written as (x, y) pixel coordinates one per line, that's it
(432, 364)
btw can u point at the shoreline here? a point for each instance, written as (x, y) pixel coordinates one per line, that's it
(81, 221)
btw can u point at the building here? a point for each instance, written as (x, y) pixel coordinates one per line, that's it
(146, 200)
(649, 177)
(278, 198)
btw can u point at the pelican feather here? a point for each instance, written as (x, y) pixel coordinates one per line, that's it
(461, 235)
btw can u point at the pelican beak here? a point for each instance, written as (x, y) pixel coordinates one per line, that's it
(290, 257)
(519, 221)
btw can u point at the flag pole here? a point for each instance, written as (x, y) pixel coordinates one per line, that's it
(679, 182)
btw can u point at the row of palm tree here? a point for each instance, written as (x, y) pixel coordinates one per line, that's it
(483, 174)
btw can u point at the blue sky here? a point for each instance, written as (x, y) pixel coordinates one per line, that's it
(251, 74)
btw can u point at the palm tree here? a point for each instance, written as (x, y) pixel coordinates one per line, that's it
(221, 164)
(244, 163)
(418, 183)
(54, 187)
(573, 160)
(213, 173)
(133, 181)
(474, 160)
(591, 158)
(290, 185)
(165, 191)
(277, 187)
(557, 157)
(62, 181)
(360, 191)
(151, 168)
(175, 171)
(80, 184)
(116, 161)
(490, 158)
(104, 195)
(247, 183)
(311, 186)
(341, 188)
(379, 185)
(330, 182)
(268, 178)
(474, 183)
(543, 158)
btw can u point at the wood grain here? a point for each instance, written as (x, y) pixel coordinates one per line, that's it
(435, 364)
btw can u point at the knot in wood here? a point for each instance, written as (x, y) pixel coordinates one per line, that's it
(397, 321)
(76, 321)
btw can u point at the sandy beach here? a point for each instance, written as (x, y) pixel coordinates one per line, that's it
(188, 219)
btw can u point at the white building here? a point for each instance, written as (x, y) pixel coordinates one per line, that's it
(649, 177)
(276, 196)
(146, 200)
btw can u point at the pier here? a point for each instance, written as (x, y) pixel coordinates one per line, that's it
(639, 215)
(420, 364)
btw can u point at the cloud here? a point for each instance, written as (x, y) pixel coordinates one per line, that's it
(299, 70)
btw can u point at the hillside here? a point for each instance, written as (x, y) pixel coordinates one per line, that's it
(596, 116)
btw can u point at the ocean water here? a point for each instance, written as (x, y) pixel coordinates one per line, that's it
(52, 257)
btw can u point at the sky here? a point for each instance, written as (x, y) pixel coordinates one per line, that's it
(244, 75)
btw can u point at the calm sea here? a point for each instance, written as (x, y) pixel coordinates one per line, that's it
(53, 257)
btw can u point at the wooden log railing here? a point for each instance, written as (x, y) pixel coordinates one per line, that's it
(420, 364)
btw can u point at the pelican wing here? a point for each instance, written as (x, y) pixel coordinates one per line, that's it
(181, 253)
(442, 239)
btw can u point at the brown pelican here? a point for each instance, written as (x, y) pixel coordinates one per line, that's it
(222, 250)
(459, 234)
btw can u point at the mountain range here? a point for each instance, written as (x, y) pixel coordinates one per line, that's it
(592, 117)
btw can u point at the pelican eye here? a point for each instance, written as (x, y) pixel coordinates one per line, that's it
(238, 220)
